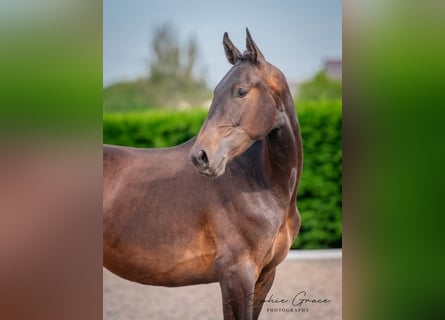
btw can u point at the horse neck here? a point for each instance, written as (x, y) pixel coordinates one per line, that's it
(283, 150)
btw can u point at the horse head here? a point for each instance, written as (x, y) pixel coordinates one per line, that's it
(248, 104)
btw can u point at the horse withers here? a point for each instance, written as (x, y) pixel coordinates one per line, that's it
(220, 207)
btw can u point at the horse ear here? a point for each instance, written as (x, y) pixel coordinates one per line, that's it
(232, 53)
(253, 50)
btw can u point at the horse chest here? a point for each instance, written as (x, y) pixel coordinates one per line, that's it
(248, 220)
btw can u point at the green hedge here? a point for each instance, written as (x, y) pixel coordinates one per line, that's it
(320, 192)
(319, 198)
(152, 129)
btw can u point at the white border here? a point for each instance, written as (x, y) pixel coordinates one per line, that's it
(314, 254)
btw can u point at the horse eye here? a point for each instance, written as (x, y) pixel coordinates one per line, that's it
(241, 92)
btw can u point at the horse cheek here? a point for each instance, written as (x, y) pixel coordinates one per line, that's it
(262, 119)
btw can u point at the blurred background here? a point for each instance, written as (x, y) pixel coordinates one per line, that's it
(162, 59)
(51, 110)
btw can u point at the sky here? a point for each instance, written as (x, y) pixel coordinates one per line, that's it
(295, 36)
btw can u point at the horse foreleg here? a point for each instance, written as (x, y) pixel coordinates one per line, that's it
(237, 287)
(262, 287)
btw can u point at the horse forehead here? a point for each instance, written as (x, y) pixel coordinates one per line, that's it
(243, 72)
(269, 75)
(246, 73)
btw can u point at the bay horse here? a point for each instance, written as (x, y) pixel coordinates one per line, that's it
(220, 207)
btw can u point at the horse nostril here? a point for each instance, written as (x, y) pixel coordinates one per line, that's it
(201, 156)
(200, 159)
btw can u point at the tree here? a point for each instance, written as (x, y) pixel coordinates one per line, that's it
(171, 80)
(172, 70)
(167, 63)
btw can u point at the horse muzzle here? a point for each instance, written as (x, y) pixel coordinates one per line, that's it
(202, 164)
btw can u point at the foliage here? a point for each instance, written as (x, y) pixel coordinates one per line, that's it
(320, 192)
(152, 129)
(319, 199)
(134, 95)
(320, 88)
